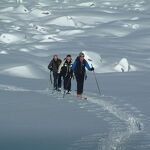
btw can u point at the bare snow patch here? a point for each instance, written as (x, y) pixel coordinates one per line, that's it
(95, 60)
(3, 52)
(132, 26)
(40, 13)
(64, 21)
(15, 28)
(48, 38)
(7, 9)
(21, 9)
(41, 29)
(135, 18)
(9, 38)
(6, 19)
(42, 4)
(21, 71)
(24, 50)
(117, 32)
(44, 47)
(71, 32)
(19, 1)
(87, 4)
(124, 66)
(12, 88)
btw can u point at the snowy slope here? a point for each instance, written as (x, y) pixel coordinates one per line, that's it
(114, 35)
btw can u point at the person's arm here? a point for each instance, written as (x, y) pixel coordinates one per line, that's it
(88, 67)
(50, 66)
(74, 65)
(60, 66)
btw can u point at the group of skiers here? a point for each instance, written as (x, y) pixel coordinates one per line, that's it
(67, 69)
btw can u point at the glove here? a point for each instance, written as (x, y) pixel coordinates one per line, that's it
(92, 69)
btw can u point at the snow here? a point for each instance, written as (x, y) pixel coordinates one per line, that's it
(21, 71)
(24, 50)
(93, 59)
(70, 32)
(41, 29)
(7, 9)
(124, 66)
(87, 4)
(48, 38)
(19, 1)
(3, 52)
(133, 26)
(9, 38)
(114, 35)
(40, 13)
(22, 9)
(63, 21)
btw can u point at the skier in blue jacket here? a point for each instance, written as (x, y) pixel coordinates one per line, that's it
(79, 70)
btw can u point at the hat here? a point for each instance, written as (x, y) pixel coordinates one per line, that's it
(55, 55)
(68, 56)
(81, 54)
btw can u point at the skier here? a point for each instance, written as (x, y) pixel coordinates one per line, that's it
(67, 73)
(53, 66)
(79, 69)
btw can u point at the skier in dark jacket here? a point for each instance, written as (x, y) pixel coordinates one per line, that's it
(67, 73)
(53, 66)
(79, 69)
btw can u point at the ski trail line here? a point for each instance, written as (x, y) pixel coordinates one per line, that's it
(116, 137)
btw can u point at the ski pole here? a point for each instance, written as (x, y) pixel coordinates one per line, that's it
(96, 82)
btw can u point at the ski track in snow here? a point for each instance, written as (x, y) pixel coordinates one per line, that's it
(105, 105)
(23, 34)
(119, 134)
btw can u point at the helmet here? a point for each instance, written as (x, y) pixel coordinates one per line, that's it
(81, 54)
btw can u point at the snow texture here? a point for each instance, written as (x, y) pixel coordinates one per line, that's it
(114, 35)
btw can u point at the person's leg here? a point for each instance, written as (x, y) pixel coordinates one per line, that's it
(55, 80)
(65, 82)
(81, 84)
(69, 84)
(59, 80)
(78, 79)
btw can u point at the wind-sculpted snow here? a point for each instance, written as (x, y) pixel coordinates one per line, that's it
(12, 88)
(25, 71)
(63, 21)
(3, 52)
(124, 66)
(113, 34)
(11, 38)
(95, 60)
